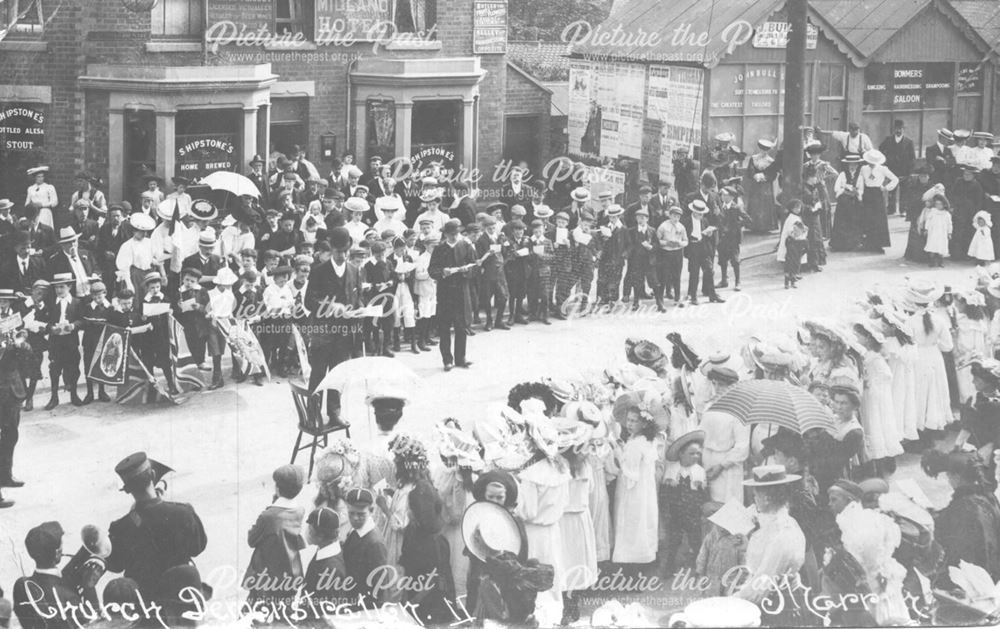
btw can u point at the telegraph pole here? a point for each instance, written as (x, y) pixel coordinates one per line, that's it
(795, 78)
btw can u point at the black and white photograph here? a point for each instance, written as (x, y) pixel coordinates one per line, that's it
(518, 314)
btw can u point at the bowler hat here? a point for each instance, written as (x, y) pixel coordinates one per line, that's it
(339, 238)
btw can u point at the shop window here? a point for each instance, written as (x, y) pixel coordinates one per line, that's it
(140, 151)
(207, 140)
(832, 81)
(23, 17)
(415, 16)
(178, 19)
(289, 122)
(437, 133)
(291, 16)
(380, 125)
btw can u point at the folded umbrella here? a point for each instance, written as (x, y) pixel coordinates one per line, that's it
(774, 402)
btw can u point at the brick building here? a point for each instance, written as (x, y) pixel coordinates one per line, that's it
(191, 86)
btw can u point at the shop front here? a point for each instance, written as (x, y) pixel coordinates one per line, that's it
(187, 121)
(421, 110)
(22, 145)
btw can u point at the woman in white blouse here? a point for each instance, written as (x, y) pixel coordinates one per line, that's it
(876, 179)
(135, 257)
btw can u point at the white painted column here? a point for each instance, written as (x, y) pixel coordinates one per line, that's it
(249, 143)
(360, 133)
(468, 134)
(166, 139)
(116, 155)
(404, 128)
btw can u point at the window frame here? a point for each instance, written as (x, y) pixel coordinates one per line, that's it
(16, 24)
(190, 34)
(826, 81)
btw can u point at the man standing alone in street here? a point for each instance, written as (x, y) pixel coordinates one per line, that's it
(449, 266)
(899, 157)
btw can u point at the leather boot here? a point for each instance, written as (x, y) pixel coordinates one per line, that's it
(101, 395)
(412, 334)
(53, 400)
(87, 399)
(29, 397)
(73, 397)
(395, 339)
(498, 322)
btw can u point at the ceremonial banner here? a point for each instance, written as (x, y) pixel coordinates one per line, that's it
(110, 362)
(246, 348)
(302, 352)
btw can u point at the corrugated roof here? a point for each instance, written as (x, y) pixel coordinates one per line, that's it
(546, 61)
(983, 16)
(663, 18)
(868, 24)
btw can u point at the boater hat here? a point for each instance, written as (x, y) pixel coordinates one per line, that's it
(615, 210)
(62, 278)
(675, 449)
(874, 157)
(698, 207)
(489, 529)
(580, 195)
(768, 475)
(543, 211)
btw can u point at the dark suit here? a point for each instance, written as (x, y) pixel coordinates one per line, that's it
(454, 302)
(11, 274)
(899, 157)
(324, 579)
(64, 349)
(943, 163)
(334, 335)
(629, 217)
(108, 244)
(465, 211)
(640, 261)
(60, 263)
(153, 537)
(15, 366)
(209, 267)
(42, 237)
(39, 595)
(700, 253)
(493, 280)
(362, 556)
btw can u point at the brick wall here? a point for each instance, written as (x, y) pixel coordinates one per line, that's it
(525, 97)
(86, 32)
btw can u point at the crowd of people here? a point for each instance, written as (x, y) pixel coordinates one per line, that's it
(640, 470)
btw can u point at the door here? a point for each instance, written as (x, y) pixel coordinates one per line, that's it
(520, 140)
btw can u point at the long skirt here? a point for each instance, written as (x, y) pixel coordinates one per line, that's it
(915, 245)
(761, 206)
(932, 394)
(846, 233)
(874, 221)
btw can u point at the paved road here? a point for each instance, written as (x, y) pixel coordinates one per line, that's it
(224, 444)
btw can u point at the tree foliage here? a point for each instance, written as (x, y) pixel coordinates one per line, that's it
(535, 20)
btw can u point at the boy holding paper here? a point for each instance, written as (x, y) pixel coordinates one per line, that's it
(613, 247)
(540, 278)
(516, 268)
(493, 281)
(586, 248)
(155, 311)
(642, 246)
(192, 301)
(562, 262)
(64, 340)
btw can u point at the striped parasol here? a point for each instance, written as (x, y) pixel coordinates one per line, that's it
(774, 402)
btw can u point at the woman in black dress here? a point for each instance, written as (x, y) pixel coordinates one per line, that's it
(846, 234)
(913, 204)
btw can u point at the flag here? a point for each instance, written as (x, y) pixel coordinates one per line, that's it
(300, 351)
(246, 348)
(178, 352)
(137, 381)
(109, 364)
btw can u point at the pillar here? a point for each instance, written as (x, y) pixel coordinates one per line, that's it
(166, 139)
(404, 129)
(116, 154)
(468, 134)
(360, 133)
(249, 140)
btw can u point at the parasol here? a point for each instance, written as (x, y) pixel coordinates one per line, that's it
(231, 182)
(374, 376)
(774, 402)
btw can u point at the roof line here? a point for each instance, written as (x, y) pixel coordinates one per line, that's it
(968, 29)
(525, 74)
(839, 41)
(901, 28)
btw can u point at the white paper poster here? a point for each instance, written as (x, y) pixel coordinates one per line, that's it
(580, 95)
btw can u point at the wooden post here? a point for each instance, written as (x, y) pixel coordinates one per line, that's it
(795, 76)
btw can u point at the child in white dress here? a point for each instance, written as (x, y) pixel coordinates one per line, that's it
(971, 339)
(938, 228)
(981, 247)
(636, 517)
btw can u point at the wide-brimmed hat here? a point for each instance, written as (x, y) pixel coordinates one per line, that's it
(765, 143)
(37, 169)
(920, 291)
(562, 390)
(257, 159)
(674, 449)
(868, 327)
(457, 444)
(67, 234)
(874, 156)
(650, 405)
(851, 158)
(430, 194)
(165, 209)
(225, 277)
(815, 147)
(642, 351)
(489, 529)
(826, 329)
(946, 134)
(768, 475)
(982, 135)
(725, 136)
(962, 134)
(135, 464)
(6, 204)
(847, 386)
(356, 204)
(9, 294)
(770, 356)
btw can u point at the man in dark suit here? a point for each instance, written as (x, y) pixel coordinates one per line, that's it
(580, 197)
(364, 549)
(518, 193)
(155, 535)
(109, 240)
(940, 158)
(899, 158)
(259, 177)
(409, 190)
(15, 363)
(644, 202)
(65, 321)
(205, 261)
(450, 266)
(46, 600)
(42, 236)
(493, 280)
(702, 224)
(466, 210)
(333, 287)
(21, 270)
(71, 259)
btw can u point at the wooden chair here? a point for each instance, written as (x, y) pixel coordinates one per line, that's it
(312, 422)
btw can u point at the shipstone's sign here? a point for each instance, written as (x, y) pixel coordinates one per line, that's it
(22, 127)
(200, 156)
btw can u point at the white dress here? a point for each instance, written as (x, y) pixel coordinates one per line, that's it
(456, 498)
(871, 538)
(727, 443)
(396, 520)
(600, 506)
(775, 550)
(931, 379)
(579, 546)
(636, 513)
(981, 247)
(424, 287)
(878, 414)
(902, 359)
(970, 340)
(542, 498)
(938, 226)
